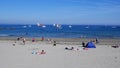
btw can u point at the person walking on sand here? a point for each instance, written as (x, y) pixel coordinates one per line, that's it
(24, 40)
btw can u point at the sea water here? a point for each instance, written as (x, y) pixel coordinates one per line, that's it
(65, 31)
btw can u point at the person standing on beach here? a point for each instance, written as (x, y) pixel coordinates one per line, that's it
(42, 38)
(96, 40)
(18, 38)
(83, 44)
(24, 40)
(33, 39)
(54, 44)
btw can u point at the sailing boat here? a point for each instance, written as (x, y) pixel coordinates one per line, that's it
(41, 25)
(57, 25)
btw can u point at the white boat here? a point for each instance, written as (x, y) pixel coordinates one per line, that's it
(70, 26)
(41, 25)
(57, 25)
(87, 27)
(24, 26)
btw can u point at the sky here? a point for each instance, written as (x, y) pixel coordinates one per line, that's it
(88, 12)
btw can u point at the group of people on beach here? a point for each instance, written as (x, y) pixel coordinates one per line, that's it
(23, 39)
(85, 45)
(39, 52)
(42, 39)
(20, 38)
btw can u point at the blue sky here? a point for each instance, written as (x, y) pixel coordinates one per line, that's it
(95, 12)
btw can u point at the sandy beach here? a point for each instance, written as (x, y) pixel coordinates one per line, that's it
(59, 33)
(29, 56)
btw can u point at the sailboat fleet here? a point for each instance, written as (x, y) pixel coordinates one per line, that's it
(59, 26)
(43, 26)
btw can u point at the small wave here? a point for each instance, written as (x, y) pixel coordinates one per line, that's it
(24, 26)
(114, 27)
(87, 27)
(7, 28)
(2, 35)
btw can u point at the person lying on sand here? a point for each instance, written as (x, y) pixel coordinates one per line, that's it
(69, 48)
(115, 46)
(42, 52)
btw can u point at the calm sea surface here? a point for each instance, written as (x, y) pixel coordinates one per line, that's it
(65, 31)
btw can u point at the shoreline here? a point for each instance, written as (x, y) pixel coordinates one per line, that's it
(68, 41)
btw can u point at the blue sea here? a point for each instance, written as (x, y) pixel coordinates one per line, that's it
(65, 31)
